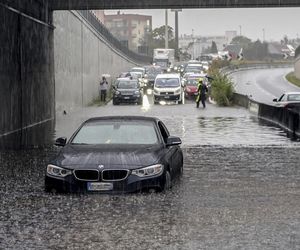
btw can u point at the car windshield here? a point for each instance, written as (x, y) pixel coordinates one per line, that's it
(137, 70)
(192, 82)
(127, 85)
(136, 74)
(117, 132)
(193, 69)
(294, 97)
(167, 82)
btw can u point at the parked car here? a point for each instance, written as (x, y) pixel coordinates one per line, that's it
(287, 99)
(127, 90)
(168, 87)
(116, 154)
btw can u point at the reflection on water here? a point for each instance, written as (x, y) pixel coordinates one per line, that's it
(248, 130)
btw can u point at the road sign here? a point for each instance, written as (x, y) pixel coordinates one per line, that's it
(285, 56)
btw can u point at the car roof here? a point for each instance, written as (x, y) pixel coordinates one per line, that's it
(194, 64)
(292, 93)
(140, 68)
(168, 76)
(126, 79)
(124, 118)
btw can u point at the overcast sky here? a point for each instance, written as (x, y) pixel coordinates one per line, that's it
(277, 22)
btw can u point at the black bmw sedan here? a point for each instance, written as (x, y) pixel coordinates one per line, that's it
(116, 155)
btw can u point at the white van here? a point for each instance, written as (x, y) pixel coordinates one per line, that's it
(168, 87)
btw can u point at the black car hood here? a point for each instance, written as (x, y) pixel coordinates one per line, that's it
(129, 157)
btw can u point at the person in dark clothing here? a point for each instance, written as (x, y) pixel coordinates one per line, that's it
(103, 89)
(202, 90)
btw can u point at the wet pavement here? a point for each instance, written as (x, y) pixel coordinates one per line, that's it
(240, 190)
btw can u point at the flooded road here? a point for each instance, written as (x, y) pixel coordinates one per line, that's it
(240, 190)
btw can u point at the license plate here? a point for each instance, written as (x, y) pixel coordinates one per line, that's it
(99, 186)
(126, 97)
(167, 97)
(195, 93)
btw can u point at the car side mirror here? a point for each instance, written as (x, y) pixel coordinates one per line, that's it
(275, 100)
(61, 142)
(173, 141)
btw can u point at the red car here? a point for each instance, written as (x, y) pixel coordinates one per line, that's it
(191, 85)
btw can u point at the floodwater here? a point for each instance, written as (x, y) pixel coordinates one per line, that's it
(240, 190)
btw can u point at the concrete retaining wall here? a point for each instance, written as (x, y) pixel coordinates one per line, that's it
(297, 67)
(81, 56)
(26, 74)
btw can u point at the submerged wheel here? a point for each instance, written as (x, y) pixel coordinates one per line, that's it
(168, 181)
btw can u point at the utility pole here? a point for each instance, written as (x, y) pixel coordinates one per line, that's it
(166, 31)
(240, 30)
(176, 33)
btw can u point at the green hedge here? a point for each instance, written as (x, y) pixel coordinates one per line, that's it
(297, 52)
(222, 89)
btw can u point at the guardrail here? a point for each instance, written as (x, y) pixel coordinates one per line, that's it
(288, 117)
(103, 31)
(235, 68)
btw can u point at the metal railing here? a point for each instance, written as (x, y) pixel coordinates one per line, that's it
(113, 41)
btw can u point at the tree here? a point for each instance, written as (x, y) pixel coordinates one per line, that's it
(241, 40)
(156, 38)
(297, 52)
(213, 49)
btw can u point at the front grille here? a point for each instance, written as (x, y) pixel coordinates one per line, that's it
(114, 175)
(86, 174)
(127, 93)
(167, 93)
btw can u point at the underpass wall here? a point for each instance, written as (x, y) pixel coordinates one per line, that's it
(82, 55)
(26, 74)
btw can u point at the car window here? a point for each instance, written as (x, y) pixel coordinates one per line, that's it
(117, 132)
(293, 97)
(164, 132)
(127, 85)
(167, 82)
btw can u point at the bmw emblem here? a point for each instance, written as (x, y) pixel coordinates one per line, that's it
(101, 166)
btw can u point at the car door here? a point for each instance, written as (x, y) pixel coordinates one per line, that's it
(173, 154)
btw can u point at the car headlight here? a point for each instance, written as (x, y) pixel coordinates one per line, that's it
(177, 91)
(145, 81)
(137, 92)
(117, 92)
(188, 89)
(57, 171)
(168, 70)
(148, 171)
(156, 91)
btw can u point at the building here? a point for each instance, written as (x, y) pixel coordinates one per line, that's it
(130, 29)
(100, 15)
(196, 45)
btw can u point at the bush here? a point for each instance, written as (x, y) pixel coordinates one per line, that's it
(297, 52)
(222, 89)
